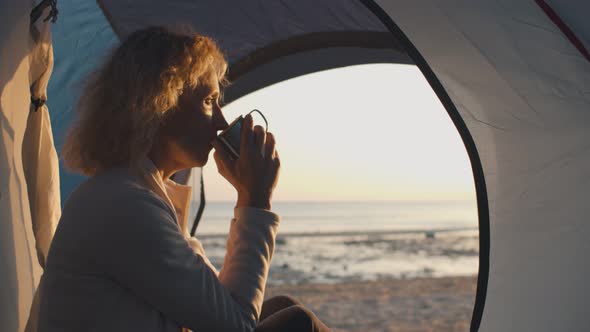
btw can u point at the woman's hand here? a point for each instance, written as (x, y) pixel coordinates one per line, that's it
(254, 174)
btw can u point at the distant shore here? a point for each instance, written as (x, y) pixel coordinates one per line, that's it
(391, 305)
(381, 232)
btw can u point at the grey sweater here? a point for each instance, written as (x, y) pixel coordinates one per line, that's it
(121, 261)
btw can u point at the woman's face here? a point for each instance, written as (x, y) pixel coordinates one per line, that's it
(189, 130)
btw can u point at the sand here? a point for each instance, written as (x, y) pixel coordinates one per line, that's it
(422, 304)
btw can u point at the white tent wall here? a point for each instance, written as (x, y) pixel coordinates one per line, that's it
(522, 89)
(18, 266)
(29, 182)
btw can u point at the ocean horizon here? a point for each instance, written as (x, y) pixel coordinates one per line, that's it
(337, 217)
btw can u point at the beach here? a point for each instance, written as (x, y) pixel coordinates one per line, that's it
(402, 282)
(342, 258)
(392, 305)
(370, 266)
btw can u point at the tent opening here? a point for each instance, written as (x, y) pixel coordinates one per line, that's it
(376, 195)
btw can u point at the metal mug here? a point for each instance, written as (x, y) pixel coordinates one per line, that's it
(230, 136)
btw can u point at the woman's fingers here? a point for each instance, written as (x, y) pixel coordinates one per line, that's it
(259, 139)
(269, 146)
(247, 137)
(277, 159)
(222, 158)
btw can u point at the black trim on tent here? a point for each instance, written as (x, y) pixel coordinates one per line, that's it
(565, 29)
(201, 207)
(313, 41)
(108, 16)
(346, 48)
(318, 51)
(478, 174)
(288, 67)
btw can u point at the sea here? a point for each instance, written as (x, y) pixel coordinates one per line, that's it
(332, 242)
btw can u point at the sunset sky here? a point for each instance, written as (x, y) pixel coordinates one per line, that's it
(370, 132)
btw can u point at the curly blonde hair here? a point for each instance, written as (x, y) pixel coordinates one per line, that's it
(127, 99)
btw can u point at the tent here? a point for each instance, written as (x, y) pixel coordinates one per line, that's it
(513, 75)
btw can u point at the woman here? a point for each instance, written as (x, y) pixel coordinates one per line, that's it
(121, 258)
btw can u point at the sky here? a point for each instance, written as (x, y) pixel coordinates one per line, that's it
(359, 133)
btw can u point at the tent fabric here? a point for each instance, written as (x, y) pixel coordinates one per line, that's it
(567, 31)
(242, 27)
(574, 13)
(26, 159)
(39, 156)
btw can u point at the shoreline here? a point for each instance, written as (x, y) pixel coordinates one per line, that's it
(380, 232)
(388, 305)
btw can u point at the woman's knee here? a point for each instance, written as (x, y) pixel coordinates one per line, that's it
(302, 313)
(277, 303)
(293, 318)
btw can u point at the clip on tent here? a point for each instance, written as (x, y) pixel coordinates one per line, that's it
(513, 76)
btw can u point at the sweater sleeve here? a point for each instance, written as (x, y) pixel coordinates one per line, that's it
(199, 250)
(250, 246)
(146, 253)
